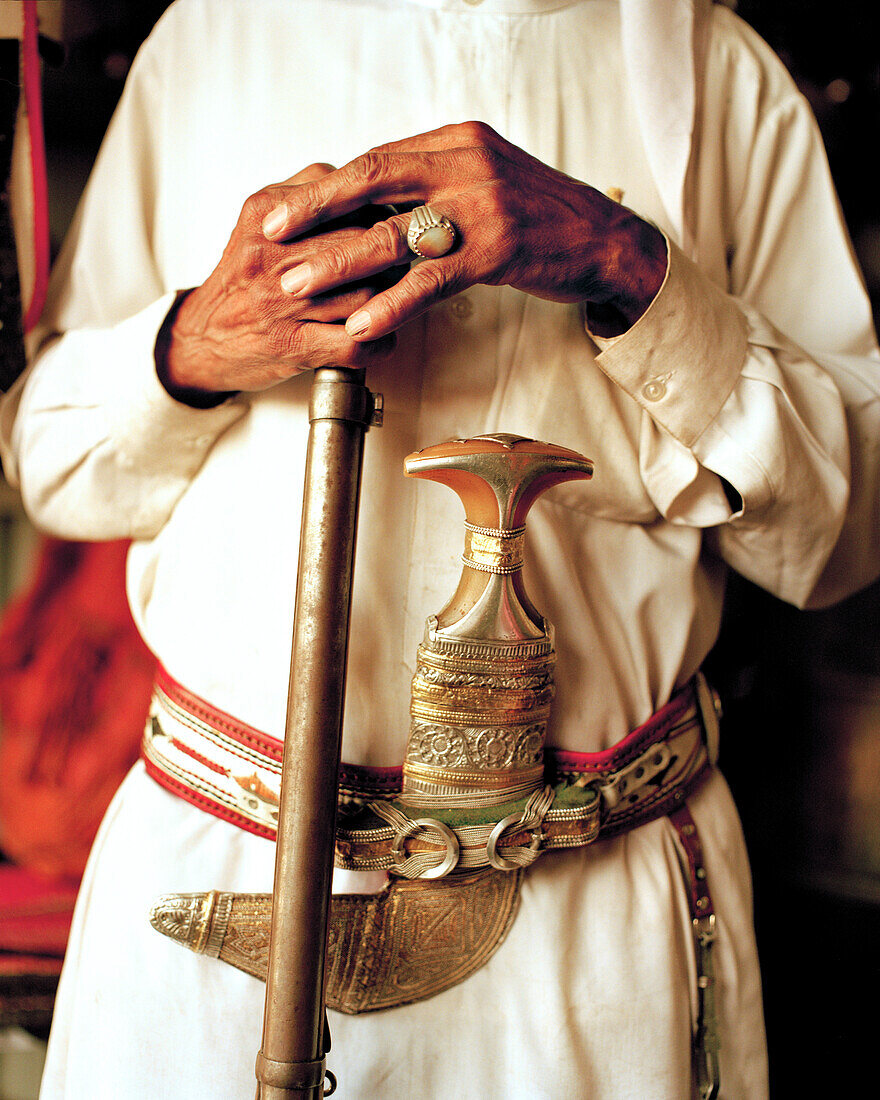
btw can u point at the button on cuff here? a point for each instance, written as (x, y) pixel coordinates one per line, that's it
(654, 390)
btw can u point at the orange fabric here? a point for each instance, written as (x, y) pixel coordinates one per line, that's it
(75, 682)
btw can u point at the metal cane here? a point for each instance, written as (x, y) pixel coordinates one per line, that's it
(291, 1061)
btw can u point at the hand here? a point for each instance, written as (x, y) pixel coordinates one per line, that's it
(520, 223)
(240, 331)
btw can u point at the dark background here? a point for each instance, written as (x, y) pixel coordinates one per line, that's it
(801, 742)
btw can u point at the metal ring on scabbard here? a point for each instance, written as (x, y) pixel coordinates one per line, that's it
(430, 234)
(496, 859)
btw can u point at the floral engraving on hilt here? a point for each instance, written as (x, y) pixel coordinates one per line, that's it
(492, 747)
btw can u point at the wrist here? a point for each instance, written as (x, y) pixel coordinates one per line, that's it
(168, 359)
(635, 260)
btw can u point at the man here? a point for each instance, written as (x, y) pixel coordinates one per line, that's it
(733, 346)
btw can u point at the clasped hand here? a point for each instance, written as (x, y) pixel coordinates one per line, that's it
(294, 270)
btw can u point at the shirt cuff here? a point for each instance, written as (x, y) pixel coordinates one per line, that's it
(682, 358)
(153, 430)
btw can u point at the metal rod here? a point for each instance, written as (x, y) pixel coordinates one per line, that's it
(290, 1062)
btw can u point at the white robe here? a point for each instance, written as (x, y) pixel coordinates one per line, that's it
(592, 994)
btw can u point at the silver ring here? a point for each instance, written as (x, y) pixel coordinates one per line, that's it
(496, 859)
(430, 234)
(427, 825)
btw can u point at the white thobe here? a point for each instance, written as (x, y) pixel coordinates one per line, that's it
(751, 369)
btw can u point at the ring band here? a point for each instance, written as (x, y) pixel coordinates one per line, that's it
(430, 234)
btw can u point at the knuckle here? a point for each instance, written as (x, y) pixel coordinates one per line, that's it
(371, 167)
(386, 238)
(334, 262)
(477, 133)
(488, 162)
(315, 171)
(506, 225)
(265, 319)
(496, 211)
(311, 200)
(359, 297)
(251, 259)
(352, 355)
(256, 207)
(286, 341)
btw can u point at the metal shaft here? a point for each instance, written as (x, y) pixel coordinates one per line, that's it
(290, 1062)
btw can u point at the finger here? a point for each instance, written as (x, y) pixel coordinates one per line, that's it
(276, 258)
(311, 172)
(308, 345)
(274, 193)
(457, 135)
(331, 308)
(415, 169)
(423, 286)
(328, 345)
(372, 178)
(351, 259)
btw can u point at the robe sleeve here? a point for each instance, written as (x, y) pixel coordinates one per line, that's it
(98, 447)
(761, 399)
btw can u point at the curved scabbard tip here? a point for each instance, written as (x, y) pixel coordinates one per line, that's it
(201, 921)
(176, 916)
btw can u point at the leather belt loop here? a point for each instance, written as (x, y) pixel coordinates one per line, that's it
(699, 897)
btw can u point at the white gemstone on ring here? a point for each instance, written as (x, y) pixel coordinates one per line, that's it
(430, 234)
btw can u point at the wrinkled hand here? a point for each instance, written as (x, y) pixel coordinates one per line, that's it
(520, 223)
(240, 331)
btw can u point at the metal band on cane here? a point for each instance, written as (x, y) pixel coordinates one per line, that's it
(295, 1076)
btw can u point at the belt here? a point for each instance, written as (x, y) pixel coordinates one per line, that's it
(233, 771)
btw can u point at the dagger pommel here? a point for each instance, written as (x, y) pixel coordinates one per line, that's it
(498, 477)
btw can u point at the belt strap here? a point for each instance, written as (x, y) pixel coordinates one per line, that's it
(212, 760)
(706, 1042)
(233, 771)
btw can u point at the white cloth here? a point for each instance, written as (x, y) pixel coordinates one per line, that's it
(589, 994)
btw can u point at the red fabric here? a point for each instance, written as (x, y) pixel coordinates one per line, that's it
(30, 52)
(35, 915)
(75, 683)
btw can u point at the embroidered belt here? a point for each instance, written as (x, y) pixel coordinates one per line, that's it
(233, 771)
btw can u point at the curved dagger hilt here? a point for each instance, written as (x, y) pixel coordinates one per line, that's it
(484, 677)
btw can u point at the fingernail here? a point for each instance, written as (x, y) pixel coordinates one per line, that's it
(274, 221)
(358, 323)
(295, 280)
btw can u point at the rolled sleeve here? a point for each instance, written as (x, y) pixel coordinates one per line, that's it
(729, 403)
